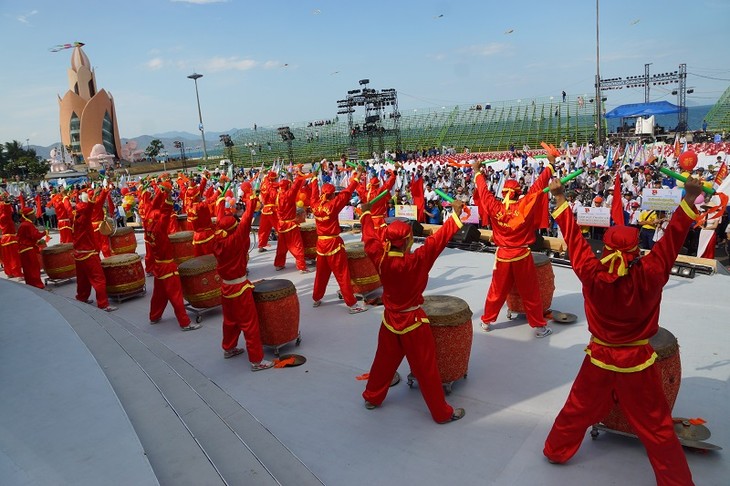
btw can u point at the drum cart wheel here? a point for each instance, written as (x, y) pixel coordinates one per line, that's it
(511, 316)
(411, 380)
(58, 281)
(199, 311)
(276, 348)
(118, 298)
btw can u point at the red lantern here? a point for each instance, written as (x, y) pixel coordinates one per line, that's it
(688, 160)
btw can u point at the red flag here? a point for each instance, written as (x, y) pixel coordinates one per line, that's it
(38, 208)
(418, 197)
(617, 209)
(677, 147)
(721, 173)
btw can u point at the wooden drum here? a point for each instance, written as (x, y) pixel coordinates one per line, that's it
(363, 275)
(124, 274)
(309, 239)
(277, 305)
(201, 284)
(58, 261)
(450, 319)
(545, 280)
(667, 349)
(182, 246)
(123, 240)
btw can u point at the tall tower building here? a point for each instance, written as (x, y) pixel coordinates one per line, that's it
(87, 116)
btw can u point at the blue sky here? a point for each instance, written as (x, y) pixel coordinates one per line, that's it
(279, 62)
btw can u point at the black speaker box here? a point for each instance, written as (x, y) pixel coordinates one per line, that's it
(468, 233)
(417, 228)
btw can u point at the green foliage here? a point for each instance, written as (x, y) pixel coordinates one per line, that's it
(15, 160)
(154, 148)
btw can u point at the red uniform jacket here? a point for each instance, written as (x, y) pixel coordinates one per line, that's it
(286, 207)
(268, 198)
(380, 208)
(513, 227)
(159, 239)
(326, 218)
(28, 236)
(623, 312)
(231, 249)
(405, 276)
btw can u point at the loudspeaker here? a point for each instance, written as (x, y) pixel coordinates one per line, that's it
(539, 244)
(468, 233)
(417, 228)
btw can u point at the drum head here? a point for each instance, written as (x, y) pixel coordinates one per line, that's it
(181, 236)
(664, 343)
(296, 360)
(272, 285)
(564, 317)
(197, 265)
(540, 259)
(688, 431)
(446, 310)
(123, 259)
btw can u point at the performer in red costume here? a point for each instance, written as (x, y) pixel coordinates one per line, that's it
(167, 286)
(622, 295)
(402, 332)
(379, 209)
(145, 207)
(198, 211)
(331, 256)
(59, 203)
(230, 248)
(289, 238)
(28, 236)
(513, 225)
(9, 240)
(97, 217)
(268, 218)
(88, 265)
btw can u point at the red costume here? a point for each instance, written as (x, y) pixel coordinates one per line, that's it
(88, 265)
(622, 309)
(97, 217)
(145, 207)
(331, 257)
(404, 276)
(268, 218)
(9, 242)
(289, 238)
(230, 248)
(28, 236)
(513, 226)
(63, 214)
(380, 208)
(167, 286)
(199, 217)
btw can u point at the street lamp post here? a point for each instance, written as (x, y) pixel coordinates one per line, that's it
(195, 77)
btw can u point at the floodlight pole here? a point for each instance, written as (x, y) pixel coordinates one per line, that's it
(599, 138)
(195, 77)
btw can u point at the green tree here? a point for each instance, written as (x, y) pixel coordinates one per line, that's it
(154, 148)
(17, 161)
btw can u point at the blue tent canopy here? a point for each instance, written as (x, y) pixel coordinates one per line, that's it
(643, 109)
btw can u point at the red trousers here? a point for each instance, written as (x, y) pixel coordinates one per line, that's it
(11, 257)
(101, 242)
(266, 223)
(521, 273)
(290, 241)
(239, 315)
(90, 274)
(149, 259)
(419, 347)
(642, 400)
(64, 229)
(29, 261)
(337, 264)
(168, 290)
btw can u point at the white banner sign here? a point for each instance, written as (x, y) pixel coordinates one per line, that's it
(661, 199)
(590, 216)
(473, 217)
(409, 211)
(347, 213)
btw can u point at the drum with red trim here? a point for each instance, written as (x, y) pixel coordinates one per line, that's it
(545, 281)
(667, 349)
(363, 275)
(201, 284)
(58, 261)
(309, 240)
(277, 305)
(123, 240)
(450, 319)
(124, 274)
(182, 246)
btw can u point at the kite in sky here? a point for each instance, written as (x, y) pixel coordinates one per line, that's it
(438, 16)
(635, 21)
(509, 31)
(61, 47)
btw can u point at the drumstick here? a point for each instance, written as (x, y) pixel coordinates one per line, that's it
(682, 178)
(567, 178)
(379, 197)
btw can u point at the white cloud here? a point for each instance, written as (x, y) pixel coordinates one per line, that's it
(155, 63)
(230, 64)
(24, 18)
(272, 64)
(491, 49)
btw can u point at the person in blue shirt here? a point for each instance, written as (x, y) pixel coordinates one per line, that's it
(432, 213)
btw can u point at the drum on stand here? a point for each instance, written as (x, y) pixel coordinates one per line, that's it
(201, 284)
(182, 223)
(107, 227)
(545, 281)
(123, 240)
(309, 240)
(277, 305)
(451, 326)
(58, 261)
(124, 275)
(182, 246)
(363, 275)
(667, 349)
